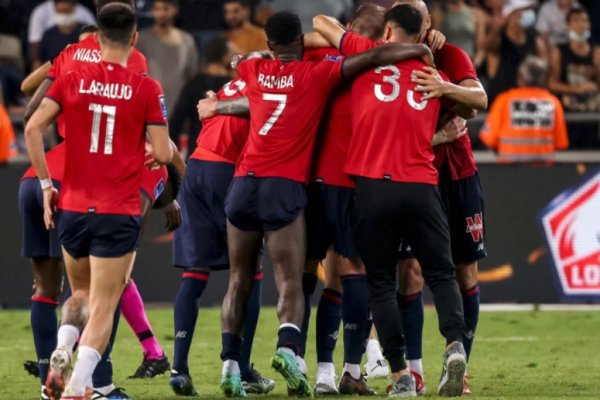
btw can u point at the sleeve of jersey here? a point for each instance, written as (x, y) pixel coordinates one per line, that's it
(352, 43)
(55, 91)
(56, 66)
(247, 68)
(137, 62)
(460, 67)
(156, 107)
(490, 132)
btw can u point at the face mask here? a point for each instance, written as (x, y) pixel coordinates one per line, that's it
(64, 19)
(576, 37)
(527, 18)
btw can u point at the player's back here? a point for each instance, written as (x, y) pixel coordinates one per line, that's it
(286, 104)
(106, 108)
(225, 135)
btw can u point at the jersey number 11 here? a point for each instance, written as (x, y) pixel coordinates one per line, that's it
(98, 110)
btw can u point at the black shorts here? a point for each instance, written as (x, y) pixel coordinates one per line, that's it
(264, 204)
(463, 201)
(99, 235)
(329, 221)
(36, 240)
(201, 240)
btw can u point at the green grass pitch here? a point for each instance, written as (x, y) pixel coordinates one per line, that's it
(517, 355)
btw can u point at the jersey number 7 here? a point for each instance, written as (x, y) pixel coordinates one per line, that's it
(98, 110)
(282, 99)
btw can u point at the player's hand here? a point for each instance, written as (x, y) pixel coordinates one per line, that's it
(435, 40)
(454, 129)
(50, 206)
(207, 107)
(173, 214)
(429, 82)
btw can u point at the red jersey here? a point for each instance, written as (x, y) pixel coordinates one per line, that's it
(77, 56)
(154, 182)
(286, 104)
(392, 126)
(335, 130)
(106, 109)
(224, 135)
(455, 160)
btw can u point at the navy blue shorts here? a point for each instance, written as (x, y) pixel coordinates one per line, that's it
(99, 235)
(463, 201)
(329, 221)
(201, 239)
(264, 204)
(36, 240)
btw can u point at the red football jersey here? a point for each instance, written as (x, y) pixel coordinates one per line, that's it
(286, 104)
(106, 109)
(335, 130)
(392, 126)
(224, 135)
(455, 160)
(76, 56)
(154, 182)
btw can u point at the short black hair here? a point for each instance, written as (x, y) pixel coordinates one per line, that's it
(102, 3)
(406, 17)
(283, 28)
(88, 29)
(215, 50)
(575, 11)
(116, 23)
(244, 3)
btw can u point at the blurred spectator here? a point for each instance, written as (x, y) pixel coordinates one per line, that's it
(65, 32)
(575, 76)
(462, 24)
(510, 39)
(11, 68)
(48, 14)
(203, 19)
(552, 23)
(171, 53)
(527, 124)
(593, 8)
(306, 10)
(143, 12)
(242, 34)
(8, 145)
(214, 74)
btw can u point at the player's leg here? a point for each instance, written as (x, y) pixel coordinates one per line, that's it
(410, 302)
(244, 249)
(377, 219)
(427, 232)
(466, 275)
(108, 276)
(309, 284)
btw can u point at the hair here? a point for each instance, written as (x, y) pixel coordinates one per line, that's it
(283, 28)
(116, 23)
(406, 17)
(215, 50)
(102, 3)
(534, 71)
(369, 21)
(72, 2)
(575, 11)
(243, 3)
(88, 29)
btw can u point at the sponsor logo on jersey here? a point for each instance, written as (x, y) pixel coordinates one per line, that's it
(475, 227)
(160, 187)
(163, 105)
(571, 224)
(333, 58)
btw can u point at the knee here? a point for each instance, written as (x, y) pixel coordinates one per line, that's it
(410, 278)
(466, 275)
(351, 266)
(47, 289)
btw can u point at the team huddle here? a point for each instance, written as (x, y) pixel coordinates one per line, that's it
(344, 147)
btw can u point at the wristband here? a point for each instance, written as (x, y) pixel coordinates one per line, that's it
(46, 183)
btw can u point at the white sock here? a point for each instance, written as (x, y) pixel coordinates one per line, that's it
(324, 371)
(105, 389)
(416, 365)
(352, 369)
(232, 365)
(373, 350)
(87, 359)
(301, 364)
(67, 337)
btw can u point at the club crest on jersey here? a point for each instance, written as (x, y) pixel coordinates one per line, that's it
(571, 224)
(163, 105)
(475, 227)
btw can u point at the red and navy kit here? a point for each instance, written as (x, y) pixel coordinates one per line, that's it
(455, 160)
(154, 182)
(106, 108)
(384, 147)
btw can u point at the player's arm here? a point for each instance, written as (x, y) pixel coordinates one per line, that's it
(383, 55)
(162, 152)
(330, 29)
(469, 93)
(34, 79)
(314, 40)
(177, 161)
(211, 106)
(37, 98)
(452, 130)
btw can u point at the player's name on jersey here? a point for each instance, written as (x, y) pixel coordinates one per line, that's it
(276, 82)
(87, 55)
(116, 91)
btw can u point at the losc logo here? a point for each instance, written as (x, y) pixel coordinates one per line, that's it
(571, 224)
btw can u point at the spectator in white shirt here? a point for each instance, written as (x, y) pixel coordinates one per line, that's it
(552, 24)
